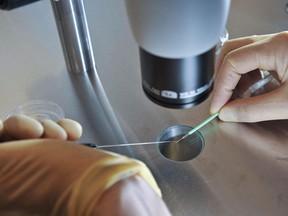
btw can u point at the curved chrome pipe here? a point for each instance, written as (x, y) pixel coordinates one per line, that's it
(74, 34)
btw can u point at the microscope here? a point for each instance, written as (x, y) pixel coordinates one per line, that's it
(177, 43)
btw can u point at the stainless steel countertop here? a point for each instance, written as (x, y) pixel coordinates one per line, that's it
(243, 169)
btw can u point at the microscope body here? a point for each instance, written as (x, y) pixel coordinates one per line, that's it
(176, 40)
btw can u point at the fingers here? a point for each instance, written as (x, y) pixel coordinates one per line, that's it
(53, 131)
(266, 53)
(72, 128)
(20, 127)
(269, 106)
(64, 129)
(230, 46)
(34, 171)
(235, 44)
(235, 64)
(29, 177)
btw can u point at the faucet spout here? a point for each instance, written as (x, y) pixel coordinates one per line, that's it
(74, 35)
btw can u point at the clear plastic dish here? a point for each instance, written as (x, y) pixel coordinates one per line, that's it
(40, 110)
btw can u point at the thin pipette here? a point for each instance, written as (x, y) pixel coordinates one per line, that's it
(199, 126)
(155, 143)
(92, 145)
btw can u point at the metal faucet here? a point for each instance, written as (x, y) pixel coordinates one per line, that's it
(74, 34)
(73, 31)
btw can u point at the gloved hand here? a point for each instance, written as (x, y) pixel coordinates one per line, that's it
(241, 56)
(56, 177)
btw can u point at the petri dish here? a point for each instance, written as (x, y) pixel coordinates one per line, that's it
(185, 150)
(40, 110)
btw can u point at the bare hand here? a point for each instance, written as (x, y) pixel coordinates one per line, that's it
(241, 56)
(20, 127)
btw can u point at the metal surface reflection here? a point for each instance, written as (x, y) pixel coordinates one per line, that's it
(254, 165)
(184, 150)
(97, 108)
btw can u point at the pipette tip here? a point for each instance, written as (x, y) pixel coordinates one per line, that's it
(199, 126)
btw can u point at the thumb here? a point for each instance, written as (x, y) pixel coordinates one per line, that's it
(268, 106)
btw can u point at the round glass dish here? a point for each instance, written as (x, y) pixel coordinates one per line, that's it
(40, 110)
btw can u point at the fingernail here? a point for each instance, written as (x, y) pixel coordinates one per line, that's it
(213, 109)
(228, 115)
